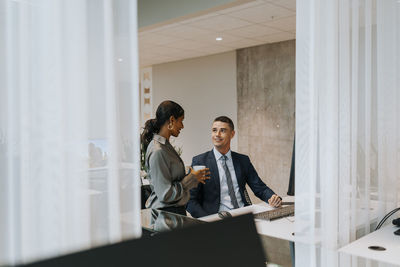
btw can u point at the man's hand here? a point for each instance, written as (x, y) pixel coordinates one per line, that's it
(275, 201)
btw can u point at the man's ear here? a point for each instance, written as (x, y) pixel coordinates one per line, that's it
(233, 133)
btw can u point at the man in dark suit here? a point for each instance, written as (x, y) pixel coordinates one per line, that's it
(230, 172)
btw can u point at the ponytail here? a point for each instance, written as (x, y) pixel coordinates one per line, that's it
(150, 128)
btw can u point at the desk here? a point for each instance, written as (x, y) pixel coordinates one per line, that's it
(383, 237)
(280, 228)
(155, 220)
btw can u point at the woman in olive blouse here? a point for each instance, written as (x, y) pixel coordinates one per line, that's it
(166, 170)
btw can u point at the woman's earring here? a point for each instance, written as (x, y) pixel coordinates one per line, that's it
(170, 127)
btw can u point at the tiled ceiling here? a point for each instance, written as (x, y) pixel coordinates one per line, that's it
(242, 25)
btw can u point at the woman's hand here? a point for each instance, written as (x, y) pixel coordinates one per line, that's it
(201, 175)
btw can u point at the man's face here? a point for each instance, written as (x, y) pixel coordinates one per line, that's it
(221, 135)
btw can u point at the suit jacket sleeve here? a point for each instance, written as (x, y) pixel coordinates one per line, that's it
(194, 205)
(260, 189)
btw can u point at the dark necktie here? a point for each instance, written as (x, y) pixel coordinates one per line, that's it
(229, 182)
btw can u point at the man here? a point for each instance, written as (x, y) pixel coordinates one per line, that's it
(230, 172)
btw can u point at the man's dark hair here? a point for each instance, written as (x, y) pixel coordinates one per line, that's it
(226, 120)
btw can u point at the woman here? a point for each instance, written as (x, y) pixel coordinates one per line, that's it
(166, 171)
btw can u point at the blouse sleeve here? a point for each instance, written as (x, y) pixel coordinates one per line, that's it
(167, 191)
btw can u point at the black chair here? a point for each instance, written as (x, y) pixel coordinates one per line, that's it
(145, 191)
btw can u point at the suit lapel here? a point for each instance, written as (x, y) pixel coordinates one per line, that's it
(212, 163)
(238, 171)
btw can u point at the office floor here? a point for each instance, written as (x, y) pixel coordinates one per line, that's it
(277, 251)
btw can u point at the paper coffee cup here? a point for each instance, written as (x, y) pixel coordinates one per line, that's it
(198, 167)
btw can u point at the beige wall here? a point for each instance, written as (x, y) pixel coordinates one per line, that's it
(206, 88)
(266, 107)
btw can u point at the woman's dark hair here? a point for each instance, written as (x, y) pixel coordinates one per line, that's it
(164, 111)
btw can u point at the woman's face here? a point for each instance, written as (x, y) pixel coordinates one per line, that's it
(177, 126)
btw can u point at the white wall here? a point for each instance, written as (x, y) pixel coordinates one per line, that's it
(206, 88)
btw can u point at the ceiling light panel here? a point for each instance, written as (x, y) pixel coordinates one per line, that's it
(210, 39)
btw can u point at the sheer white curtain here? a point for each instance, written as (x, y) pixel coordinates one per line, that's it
(69, 126)
(347, 124)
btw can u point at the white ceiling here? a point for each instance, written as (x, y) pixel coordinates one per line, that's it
(242, 25)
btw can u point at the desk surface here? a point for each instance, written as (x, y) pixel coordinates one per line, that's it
(280, 228)
(383, 237)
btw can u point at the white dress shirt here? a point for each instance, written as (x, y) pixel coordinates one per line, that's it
(226, 203)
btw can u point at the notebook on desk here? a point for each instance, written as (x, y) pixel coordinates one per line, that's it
(276, 213)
